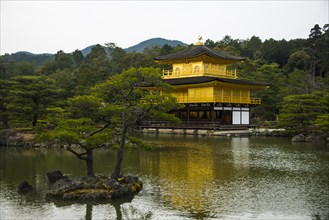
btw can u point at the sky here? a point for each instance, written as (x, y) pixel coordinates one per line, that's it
(49, 26)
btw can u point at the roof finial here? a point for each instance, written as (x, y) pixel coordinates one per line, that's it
(199, 42)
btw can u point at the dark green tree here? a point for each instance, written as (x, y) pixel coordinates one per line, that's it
(300, 112)
(117, 58)
(30, 96)
(298, 60)
(78, 58)
(95, 67)
(84, 126)
(65, 80)
(322, 120)
(298, 82)
(252, 48)
(130, 102)
(4, 101)
(317, 48)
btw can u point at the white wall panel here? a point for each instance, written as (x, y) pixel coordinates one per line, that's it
(245, 118)
(236, 117)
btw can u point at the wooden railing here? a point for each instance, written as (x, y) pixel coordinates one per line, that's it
(202, 71)
(219, 99)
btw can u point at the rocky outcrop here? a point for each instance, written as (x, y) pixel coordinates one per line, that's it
(94, 188)
(11, 138)
(313, 138)
(298, 138)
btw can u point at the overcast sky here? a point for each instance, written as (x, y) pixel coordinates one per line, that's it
(50, 26)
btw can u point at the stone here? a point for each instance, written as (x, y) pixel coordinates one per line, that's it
(24, 187)
(298, 138)
(54, 176)
(315, 138)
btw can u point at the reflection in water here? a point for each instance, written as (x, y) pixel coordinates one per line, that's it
(89, 212)
(240, 151)
(186, 177)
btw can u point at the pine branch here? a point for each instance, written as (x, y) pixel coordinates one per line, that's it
(99, 130)
(79, 155)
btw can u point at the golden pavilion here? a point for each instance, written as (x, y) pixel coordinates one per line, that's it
(213, 96)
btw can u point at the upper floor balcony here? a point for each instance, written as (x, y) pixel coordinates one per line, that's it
(203, 70)
(219, 99)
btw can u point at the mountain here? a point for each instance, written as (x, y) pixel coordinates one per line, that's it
(154, 42)
(142, 45)
(40, 59)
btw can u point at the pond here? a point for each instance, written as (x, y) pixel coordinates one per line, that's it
(185, 177)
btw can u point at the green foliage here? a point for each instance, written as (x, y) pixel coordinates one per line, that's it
(272, 96)
(128, 102)
(30, 96)
(85, 106)
(123, 93)
(298, 82)
(4, 101)
(137, 143)
(322, 121)
(62, 61)
(298, 60)
(94, 68)
(66, 81)
(37, 59)
(77, 131)
(300, 112)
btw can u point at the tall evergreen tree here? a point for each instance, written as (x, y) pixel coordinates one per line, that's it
(30, 96)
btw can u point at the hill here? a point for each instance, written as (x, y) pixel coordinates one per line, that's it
(24, 56)
(40, 59)
(154, 42)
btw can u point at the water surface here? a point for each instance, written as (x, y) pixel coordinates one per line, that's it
(185, 177)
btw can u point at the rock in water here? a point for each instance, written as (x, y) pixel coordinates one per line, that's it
(24, 187)
(298, 138)
(54, 176)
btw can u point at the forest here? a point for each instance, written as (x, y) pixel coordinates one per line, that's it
(37, 95)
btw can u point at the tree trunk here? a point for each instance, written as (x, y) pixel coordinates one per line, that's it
(35, 114)
(90, 164)
(117, 170)
(4, 120)
(35, 119)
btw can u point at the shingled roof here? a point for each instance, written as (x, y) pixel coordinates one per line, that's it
(196, 51)
(206, 79)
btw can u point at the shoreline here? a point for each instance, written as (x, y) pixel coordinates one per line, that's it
(27, 138)
(202, 132)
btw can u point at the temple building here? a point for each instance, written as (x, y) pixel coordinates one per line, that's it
(213, 96)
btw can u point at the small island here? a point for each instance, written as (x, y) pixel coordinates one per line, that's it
(98, 188)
